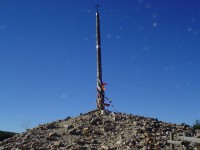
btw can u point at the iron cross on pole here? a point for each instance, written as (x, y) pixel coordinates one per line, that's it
(100, 88)
(97, 6)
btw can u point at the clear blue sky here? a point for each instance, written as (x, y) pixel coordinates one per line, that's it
(150, 54)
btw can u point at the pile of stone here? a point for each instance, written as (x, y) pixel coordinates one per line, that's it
(98, 130)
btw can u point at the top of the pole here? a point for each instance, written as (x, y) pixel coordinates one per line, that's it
(97, 6)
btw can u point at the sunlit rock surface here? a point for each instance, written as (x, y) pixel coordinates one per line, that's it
(99, 130)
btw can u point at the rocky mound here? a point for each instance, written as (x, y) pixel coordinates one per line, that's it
(97, 130)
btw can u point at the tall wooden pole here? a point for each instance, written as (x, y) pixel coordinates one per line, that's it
(100, 90)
